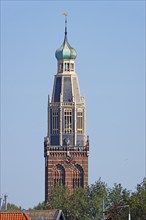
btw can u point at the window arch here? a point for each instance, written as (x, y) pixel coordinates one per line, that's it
(59, 175)
(78, 176)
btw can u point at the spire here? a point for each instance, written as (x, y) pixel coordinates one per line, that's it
(65, 52)
(65, 14)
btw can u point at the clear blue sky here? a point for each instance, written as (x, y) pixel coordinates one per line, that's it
(109, 37)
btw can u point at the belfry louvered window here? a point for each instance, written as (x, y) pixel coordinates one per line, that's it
(59, 178)
(80, 121)
(67, 120)
(66, 66)
(55, 121)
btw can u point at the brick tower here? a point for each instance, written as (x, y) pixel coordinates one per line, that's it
(66, 146)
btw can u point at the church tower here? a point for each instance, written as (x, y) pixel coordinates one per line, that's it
(66, 146)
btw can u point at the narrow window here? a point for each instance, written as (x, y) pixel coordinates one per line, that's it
(60, 67)
(65, 66)
(68, 120)
(78, 177)
(55, 121)
(72, 66)
(80, 122)
(59, 175)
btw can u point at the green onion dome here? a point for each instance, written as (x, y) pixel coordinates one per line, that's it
(65, 52)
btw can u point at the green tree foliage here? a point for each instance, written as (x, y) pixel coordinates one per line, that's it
(117, 203)
(74, 206)
(85, 204)
(13, 207)
(41, 206)
(138, 203)
(78, 208)
(82, 204)
(59, 198)
(96, 193)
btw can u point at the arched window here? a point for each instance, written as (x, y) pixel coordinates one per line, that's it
(59, 175)
(78, 176)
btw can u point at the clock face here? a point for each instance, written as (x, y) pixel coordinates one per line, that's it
(68, 161)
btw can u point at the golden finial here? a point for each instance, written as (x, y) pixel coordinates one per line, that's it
(65, 14)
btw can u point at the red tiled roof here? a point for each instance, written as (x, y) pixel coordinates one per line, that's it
(14, 216)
